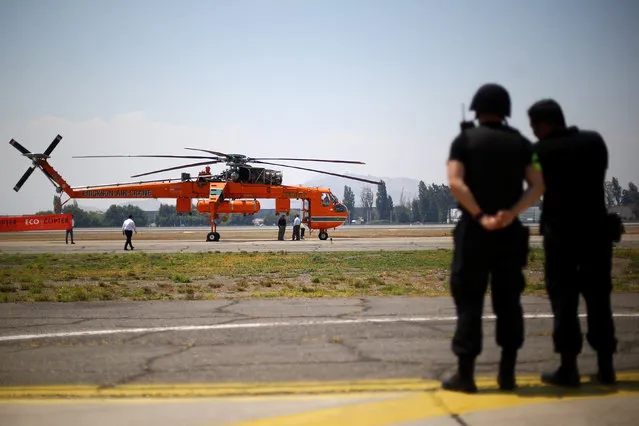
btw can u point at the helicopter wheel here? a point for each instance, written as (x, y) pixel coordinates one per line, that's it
(323, 235)
(213, 236)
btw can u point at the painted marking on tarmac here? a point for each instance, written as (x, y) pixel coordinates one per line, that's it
(530, 388)
(19, 337)
(426, 401)
(219, 389)
(441, 403)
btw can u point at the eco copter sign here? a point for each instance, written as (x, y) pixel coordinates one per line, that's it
(45, 222)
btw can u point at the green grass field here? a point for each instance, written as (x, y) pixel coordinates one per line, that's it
(193, 276)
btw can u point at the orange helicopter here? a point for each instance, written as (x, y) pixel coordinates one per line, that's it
(235, 190)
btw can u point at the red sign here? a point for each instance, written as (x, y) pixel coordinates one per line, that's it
(45, 222)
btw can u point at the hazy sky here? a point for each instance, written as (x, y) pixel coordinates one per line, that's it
(376, 81)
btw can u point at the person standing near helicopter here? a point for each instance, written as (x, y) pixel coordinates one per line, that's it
(70, 231)
(487, 167)
(296, 227)
(281, 224)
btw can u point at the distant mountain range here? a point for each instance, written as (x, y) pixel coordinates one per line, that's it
(396, 188)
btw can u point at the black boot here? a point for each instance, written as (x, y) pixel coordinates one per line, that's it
(566, 375)
(606, 374)
(464, 379)
(506, 377)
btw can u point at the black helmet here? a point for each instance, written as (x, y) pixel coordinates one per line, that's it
(491, 99)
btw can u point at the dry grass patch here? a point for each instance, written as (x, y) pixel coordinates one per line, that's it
(195, 276)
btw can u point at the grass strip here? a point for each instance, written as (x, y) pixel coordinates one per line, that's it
(210, 275)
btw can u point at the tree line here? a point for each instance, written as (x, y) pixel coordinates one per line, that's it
(166, 216)
(616, 196)
(432, 205)
(114, 216)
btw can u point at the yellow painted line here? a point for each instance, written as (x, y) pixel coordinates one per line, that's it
(217, 389)
(440, 403)
(274, 390)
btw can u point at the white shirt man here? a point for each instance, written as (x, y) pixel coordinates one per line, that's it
(296, 227)
(128, 227)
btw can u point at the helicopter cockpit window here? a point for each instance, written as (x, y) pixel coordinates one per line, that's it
(339, 207)
(326, 201)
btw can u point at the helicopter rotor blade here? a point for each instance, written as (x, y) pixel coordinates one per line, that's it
(52, 145)
(220, 154)
(24, 178)
(322, 171)
(19, 147)
(203, 163)
(197, 157)
(308, 159)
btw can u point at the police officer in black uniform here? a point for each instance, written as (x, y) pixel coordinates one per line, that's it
(574, 164)
(487, 168)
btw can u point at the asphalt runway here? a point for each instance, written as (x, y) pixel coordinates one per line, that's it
(303, 361)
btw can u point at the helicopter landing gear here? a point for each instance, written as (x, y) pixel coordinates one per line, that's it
(213, 235)
(323, 235)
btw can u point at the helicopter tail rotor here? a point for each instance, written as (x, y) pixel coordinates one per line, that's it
(35, 158)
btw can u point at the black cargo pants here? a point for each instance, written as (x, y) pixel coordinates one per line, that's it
(480, 255)
(574, 266)
(129, 235)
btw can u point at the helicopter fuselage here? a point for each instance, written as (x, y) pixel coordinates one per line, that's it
(321, 209)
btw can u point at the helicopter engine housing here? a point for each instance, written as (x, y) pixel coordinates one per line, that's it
(246, 174)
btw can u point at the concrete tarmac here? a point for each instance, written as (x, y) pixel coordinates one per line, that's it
(373, 361)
